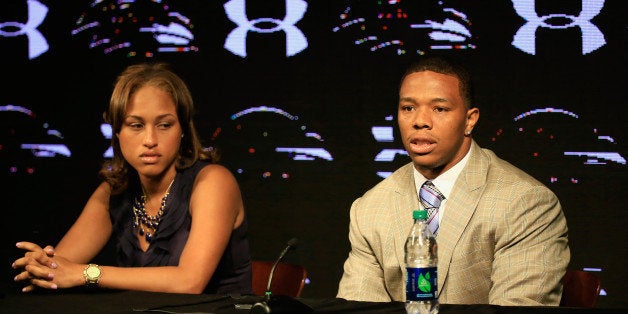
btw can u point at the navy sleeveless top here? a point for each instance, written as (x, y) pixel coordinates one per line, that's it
(233, 273)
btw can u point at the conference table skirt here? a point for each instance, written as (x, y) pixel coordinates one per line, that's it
(149, 302)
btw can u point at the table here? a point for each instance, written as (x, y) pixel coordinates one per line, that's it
(94, 302)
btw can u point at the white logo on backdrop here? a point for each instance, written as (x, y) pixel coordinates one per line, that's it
(37, 44)
(525, 38)
(236, 40)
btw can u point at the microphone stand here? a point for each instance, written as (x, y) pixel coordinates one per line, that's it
(279, 303)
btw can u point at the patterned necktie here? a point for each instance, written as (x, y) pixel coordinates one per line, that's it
(430, 197)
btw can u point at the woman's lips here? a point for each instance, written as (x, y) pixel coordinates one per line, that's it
(149, 158)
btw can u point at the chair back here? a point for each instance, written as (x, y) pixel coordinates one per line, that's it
(580, 289)
(288, 279)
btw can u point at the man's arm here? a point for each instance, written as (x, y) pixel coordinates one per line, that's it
(363, 277)
(531, 251)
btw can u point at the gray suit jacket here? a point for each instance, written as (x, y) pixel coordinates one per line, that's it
(502, 239)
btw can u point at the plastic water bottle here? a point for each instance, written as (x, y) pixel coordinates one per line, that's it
(421, 261)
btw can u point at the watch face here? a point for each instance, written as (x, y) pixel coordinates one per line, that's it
(92, 272)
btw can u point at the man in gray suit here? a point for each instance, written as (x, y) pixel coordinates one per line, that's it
(502, 235)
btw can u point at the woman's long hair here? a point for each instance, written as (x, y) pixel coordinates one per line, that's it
(117, 171)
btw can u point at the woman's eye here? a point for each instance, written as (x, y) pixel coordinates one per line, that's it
(135, 126)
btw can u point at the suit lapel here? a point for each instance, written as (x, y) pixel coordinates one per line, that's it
(406, 200)
(460, 207)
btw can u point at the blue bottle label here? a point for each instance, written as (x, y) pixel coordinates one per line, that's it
(421, 284)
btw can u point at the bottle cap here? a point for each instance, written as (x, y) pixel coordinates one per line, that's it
(420, 214)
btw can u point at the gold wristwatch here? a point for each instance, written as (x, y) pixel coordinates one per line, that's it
(92, 274)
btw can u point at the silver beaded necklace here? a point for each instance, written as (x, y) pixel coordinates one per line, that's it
(144, 224)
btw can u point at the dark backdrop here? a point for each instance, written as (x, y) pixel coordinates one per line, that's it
(295, 121)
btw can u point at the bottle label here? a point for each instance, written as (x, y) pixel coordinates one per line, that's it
(421, 284)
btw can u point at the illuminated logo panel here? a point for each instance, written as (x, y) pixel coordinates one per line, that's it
(132, 28)
(555, 145)
(269, 142)
(390, 156)
(26, 140)
(37, 43)
(402, 27)
(525, 38)
(236, 40)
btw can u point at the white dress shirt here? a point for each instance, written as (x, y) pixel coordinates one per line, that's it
(444, 182)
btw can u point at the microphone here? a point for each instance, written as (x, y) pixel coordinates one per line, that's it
(279, 303)
(291, 245)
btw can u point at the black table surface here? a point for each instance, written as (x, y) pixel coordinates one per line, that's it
(149, 302)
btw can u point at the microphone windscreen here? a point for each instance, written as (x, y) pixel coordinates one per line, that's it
(293, 242)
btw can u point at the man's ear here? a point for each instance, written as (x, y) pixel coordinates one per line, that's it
(473, 115)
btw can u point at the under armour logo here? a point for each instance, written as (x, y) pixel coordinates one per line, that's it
(236, 40)
(37, 44)
(592, 37)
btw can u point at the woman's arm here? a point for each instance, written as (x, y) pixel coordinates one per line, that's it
(91, 231)
(216, 208)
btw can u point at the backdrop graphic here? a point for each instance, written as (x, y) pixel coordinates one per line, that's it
(300, 96)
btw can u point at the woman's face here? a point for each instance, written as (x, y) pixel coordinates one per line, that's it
(150, 135)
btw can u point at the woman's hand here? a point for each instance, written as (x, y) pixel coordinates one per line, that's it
(36, 265)
(43, 269)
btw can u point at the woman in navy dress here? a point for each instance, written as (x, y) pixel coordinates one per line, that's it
(176, 216)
